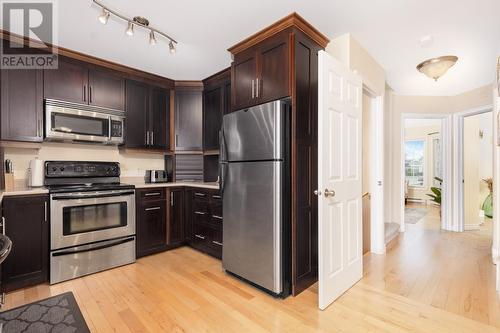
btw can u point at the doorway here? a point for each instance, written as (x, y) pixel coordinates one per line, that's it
(423, 177)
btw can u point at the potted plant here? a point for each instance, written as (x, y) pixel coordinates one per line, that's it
(488, 202)
(436, 193)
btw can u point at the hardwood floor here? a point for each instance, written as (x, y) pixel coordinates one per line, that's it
(186, 291)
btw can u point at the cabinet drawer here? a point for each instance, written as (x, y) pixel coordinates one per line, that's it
(199, 194)
(201, 234)
(151, 194)
(200, 206)
(200, 217)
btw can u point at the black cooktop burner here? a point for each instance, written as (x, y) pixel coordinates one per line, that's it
(88, 187)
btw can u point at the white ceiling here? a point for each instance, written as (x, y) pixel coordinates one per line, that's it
(390, 30)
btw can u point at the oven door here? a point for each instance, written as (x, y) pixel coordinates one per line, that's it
(87, 217)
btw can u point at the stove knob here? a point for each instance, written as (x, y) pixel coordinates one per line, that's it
(61, 168)
(54, 168)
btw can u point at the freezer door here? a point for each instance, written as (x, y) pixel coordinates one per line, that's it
(254, 134)
(252, 222)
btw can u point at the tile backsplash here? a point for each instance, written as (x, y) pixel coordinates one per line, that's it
(132, 164)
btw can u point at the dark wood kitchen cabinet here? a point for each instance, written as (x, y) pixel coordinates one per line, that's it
(204, 216)
(282, 61)
(188, 120)
(175, 227)
(26, 223)
(147, 122)
(151, 221)
(262, 73)
(22, 105)
(216, 94)
(79, 82)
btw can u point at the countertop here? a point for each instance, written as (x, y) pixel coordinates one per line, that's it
(20, 187)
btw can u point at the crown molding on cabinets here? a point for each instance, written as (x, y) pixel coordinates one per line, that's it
(127, 72)
(292, 20)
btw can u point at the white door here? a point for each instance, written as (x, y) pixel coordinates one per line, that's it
(339, 179)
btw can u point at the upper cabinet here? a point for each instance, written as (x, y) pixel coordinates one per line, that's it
(147, 122)
(22, 105)
(106, 89)
(262, 73)
(216, 103)
(78, 82)
(188, 119)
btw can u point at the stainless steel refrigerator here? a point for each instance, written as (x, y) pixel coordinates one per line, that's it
(255, 176)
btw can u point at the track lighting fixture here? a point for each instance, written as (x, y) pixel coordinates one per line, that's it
(103, 18)
(130, 29)
(135, 21)
(152, 38)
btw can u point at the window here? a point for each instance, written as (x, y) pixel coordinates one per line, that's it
(414, 162)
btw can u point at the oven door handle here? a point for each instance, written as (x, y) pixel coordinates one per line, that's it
(90, 196)
(100, 247)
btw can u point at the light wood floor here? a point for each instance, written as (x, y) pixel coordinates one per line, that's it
(429, 281)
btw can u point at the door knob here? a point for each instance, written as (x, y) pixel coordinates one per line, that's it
(329, 193)
(316, 192)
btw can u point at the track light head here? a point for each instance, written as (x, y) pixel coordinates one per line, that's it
(130, 29)
(103, 18)
(152, 38)
(171, 46)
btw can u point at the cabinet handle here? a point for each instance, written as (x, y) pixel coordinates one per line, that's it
(216, 197)
(152, 208)
(152, 194)
(199, 236)
(90, 94)
(198, 194)
(152, 138)
(84, 93)
(199, 213)
(177, 140)
(253, 89)
(257, 90)
(171, 199)
(217, 243)
(40, 128)
(4, 227)
(217, 217)
(45, 211)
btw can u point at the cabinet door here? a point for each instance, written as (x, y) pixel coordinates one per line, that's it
(188, 120)
(26, 224)
(227, 98)
(159, 118)
(151, 228)
(106, 89)
(212, 116)
(66, 83)
(176, 217)
(244, 74)
(22, 105)
(273, 68)
(136, 108)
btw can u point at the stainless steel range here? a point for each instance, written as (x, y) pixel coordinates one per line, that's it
(92, 218)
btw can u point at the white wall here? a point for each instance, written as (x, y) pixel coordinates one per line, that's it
(132, 165)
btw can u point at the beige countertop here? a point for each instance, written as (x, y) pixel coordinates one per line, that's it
(20, 187)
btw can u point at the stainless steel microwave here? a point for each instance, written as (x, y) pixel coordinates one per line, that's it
(65, 121)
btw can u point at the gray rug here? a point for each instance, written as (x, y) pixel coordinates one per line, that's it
(58, 314)
(414, 215)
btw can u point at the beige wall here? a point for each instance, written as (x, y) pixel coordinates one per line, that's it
(350, 52)
(132, 165)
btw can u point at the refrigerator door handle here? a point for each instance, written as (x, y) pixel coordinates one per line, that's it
(222, 161)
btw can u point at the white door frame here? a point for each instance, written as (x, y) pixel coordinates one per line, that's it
(458, 163)
(446, 135)
(377, 225)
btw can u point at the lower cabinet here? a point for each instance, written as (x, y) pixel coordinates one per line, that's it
(26, 223)
(204, 216)
(159, 219)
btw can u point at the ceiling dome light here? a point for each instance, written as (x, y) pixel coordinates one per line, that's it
(103, 18)
(171, 46)
(130, 29)
(437, 67)
(152, 38)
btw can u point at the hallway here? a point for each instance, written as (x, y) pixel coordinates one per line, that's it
(449, 271)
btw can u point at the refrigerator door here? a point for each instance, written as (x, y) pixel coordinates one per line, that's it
(254, 134)
(252, 222)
